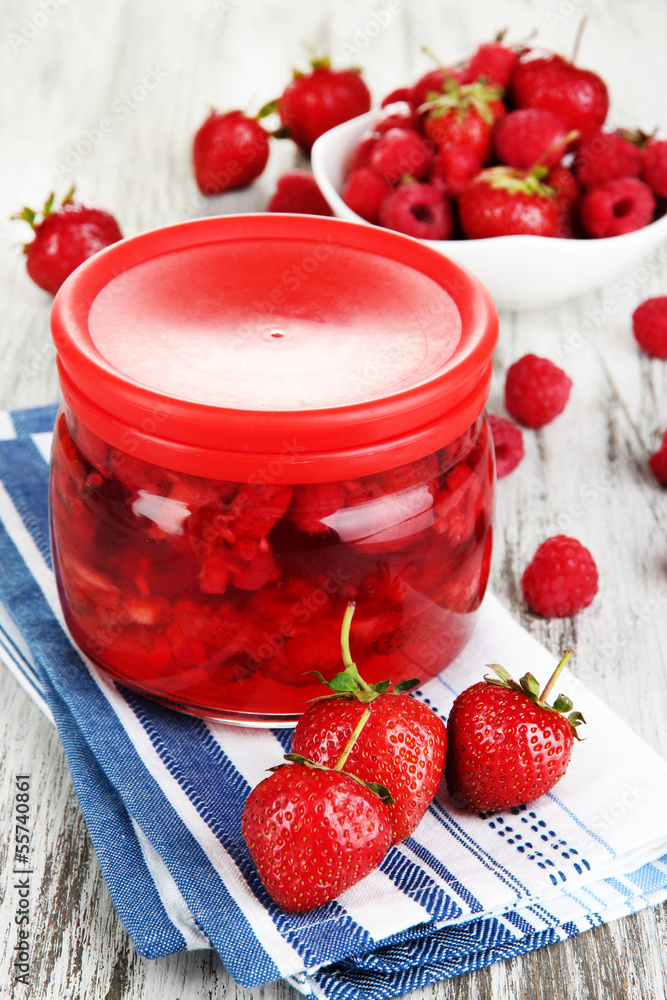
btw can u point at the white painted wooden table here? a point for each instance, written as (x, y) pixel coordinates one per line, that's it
(150, 69)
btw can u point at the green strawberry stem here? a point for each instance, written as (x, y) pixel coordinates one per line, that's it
(350, 665)
(363, 719)
(567, 655)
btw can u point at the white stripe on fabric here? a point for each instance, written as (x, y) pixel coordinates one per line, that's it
(16, 669)
(172, 899)
(253, 755)
(43, 440)
(373, 904)
(279, 950)
(7, 430)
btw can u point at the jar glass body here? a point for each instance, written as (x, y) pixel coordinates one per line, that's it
(220, 598)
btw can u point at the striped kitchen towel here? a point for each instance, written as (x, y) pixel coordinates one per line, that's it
(162, 794)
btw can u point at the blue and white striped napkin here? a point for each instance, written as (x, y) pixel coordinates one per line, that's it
(162, 794)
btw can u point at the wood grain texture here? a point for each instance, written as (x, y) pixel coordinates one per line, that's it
(66, 71)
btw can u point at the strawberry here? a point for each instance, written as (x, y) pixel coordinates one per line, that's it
(529, 136)
(401, 151)
(379, 735)
(464, 116)
(229, 151)
(576, 96)
(313, 833)
(64, 238)
(493, 61)
(315, 102)
(364, 193)
(504, 201)
(507, 746)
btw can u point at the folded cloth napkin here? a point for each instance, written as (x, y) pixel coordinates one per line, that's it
(162, 794)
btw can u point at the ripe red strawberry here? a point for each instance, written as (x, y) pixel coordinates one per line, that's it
(379, 736)
(529, 136)
(492, 61)
(64, 238)
(313, 833)
(504, 201)
(545, 80)
(229, 151)
(397, 114)
(315, 102)
(419, 210)
(297, 191)
(464, 116)
(507, 746)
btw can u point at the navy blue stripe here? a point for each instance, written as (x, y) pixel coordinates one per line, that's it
(444, 873)
(414, 882)
(194, 757)
(25, 476)
(36, 420)
(428, 962)
(202, 888)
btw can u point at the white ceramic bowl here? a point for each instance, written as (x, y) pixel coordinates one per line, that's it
(521, 272)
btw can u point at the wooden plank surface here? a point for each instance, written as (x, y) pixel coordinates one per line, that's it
(152, 69)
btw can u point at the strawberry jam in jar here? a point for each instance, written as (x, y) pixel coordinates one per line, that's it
(264, 418)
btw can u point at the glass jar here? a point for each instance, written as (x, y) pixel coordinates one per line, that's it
(266, 417)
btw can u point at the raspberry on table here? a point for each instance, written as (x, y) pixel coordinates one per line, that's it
(617, 207)
(297, 191)
(654, 166)
(418, 210)
(658, 462)
(649, 325)
(606, 156)
(561, 579)
(536, 390)
(507, 444)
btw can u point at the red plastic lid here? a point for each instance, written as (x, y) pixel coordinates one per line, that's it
(274, 347)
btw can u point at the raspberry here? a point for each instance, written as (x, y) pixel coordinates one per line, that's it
(654, 166)
(617, 207)
(297, 191)
(606, 156)
(453, 167)
(364, 193)
(562, 578)
(361, 154)
(418, 210)
(507, 444)
(536, 390)
(401, 151)
(658, 462)
(529, 136)
(649, 325)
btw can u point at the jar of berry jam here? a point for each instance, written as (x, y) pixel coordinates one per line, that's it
(264, 418)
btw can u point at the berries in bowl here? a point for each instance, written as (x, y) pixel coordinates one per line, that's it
(471, 155)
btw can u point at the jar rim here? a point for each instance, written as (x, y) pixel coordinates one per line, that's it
(387, 427)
